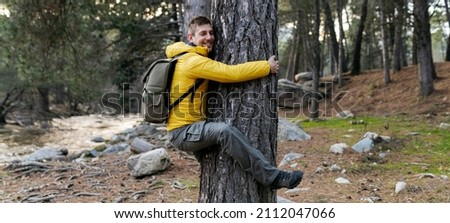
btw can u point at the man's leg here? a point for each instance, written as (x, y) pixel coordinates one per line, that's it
(201, 135)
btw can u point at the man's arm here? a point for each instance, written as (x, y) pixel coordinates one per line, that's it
(202, 67)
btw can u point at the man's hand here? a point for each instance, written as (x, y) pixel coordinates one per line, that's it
(274, 66)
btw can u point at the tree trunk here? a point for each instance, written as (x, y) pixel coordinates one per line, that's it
(295, 52)
(9, 101)
(291, 60)
(424, 53)
(342, 40)
(358, 40)
(175, 23)
(341, 55)
(305, 50)
(330, 26)
(385, 37)
(447, 54)
(414, 50)
(245, 31)
(317, 60)
(398, 38)
(44, 100)
(194, 8)
(372, 51)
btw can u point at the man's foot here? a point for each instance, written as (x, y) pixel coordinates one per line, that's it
(288, 179)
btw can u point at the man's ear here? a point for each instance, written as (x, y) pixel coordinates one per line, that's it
(190, 37)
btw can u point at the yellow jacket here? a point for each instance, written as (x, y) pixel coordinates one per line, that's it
(196, 65)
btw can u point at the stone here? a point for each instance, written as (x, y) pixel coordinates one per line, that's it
(139, 145)
(338, 148)
(400, 186)
(342, 180)
(149, 163)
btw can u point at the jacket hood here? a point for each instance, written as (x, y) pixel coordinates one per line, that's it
(180, 47)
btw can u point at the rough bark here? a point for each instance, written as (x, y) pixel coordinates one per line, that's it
(317, 61)
(330, 26)
(385, 37)
(245, 31)
(44, 102)
(398, 38)
(294, 57)
(358, 40)
(341, 57)
(447, 53)
(9, 101)
(424, 53)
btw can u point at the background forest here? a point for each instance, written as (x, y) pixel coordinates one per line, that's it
(57, 58)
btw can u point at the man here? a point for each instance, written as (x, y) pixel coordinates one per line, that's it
(188, 130)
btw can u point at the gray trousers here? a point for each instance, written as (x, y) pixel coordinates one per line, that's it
(201, 135)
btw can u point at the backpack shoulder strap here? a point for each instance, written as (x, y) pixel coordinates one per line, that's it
(178, 56)
(171, 62)
(191, 90)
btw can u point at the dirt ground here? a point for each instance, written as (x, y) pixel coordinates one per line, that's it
(107, 179)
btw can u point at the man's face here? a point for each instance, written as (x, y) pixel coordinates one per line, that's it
(203, 36)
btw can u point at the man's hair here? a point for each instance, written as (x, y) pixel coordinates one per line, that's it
(197, 21)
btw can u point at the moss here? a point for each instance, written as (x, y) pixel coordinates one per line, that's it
(100, 148)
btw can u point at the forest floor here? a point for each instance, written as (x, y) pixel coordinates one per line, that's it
(108, 179)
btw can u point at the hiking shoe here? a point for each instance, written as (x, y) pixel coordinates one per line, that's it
(288, 179)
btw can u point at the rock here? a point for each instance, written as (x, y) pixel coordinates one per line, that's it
(80, 160)
(296, 191)
(444, 126)
(131, 136)
(290, 157)
(146, 130)
(335, 168)
(46, 154)
(345, 114)
(132, 161)
(319, 170)
(86, 154)
(116, 148)
(322, 92)
(139, 145)
(412, 134)
(149, 163)
(385, 138)
(425, 175)
(304, 76)
(98, 139)
(338, 148)
(358, 122)
(283, 200)
(363, 145)
(371, 135)
(342, 180)
(400, 186)
(127, 131)
(371, 199)
(382, 155)
(288, 131)
(176, 184)
(117, 139)
(290, 94)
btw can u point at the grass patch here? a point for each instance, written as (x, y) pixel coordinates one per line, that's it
(190, 184)
(429, 144)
